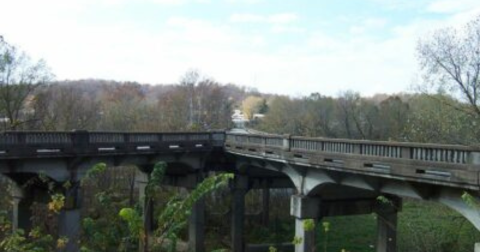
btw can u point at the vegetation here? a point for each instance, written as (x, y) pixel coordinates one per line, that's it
(104, 231)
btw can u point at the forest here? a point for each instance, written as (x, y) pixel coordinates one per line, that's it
(442, 108)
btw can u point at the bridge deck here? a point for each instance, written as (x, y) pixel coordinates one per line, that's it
(450, 165)
(15, 145)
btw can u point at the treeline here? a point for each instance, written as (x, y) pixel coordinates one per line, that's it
(197, 103)
(114, 106)
(124, 106)
(204, 104)
(436, 118)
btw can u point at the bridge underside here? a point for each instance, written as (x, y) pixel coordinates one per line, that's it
(325, 191)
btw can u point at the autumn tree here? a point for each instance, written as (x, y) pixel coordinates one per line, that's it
(124, 108)
(215, 108)
(284, 117)
(65, 107)
(173, 108)
(253, 105)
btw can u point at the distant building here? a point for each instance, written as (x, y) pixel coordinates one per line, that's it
(239, 119)
(258, 116)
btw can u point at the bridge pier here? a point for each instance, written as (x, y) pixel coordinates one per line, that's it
(22, 211)
(69, 218)
(303, 208)
(69, 226)
(196, 220)
(265, 204)
(239, 188)
(304, 239)
(24, 194)
(315, 208)
(387, 226)
(141, 178)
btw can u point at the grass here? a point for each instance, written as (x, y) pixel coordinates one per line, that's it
(422, 227)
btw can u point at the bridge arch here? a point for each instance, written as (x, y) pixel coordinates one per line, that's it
(281, 175)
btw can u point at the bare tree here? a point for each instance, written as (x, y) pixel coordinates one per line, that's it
(451, 61)
(189, 81)
(19, 77)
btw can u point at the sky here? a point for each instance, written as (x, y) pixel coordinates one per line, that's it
(277, 46)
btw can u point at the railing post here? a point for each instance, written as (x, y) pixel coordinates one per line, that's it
(21, 138)
(286, 142)
(406, 152)
(474, 158)
(357, 148)
(80, 141)
(218, 138)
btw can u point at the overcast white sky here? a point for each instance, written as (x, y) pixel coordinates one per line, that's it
(279, 46)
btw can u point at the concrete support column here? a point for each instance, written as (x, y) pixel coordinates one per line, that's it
(477, 247)
(147, 209)
(265, 204)
(302, 208)
(69, 219)
(69, 225)
(387, 232)
(239, 189)
(305, 238)
(196, 227)
(22, 213)
(387, 225)
(196, 220)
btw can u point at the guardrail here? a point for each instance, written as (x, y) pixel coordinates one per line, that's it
(450, 163)
(447, 163)
(28, 143)
(456, 154)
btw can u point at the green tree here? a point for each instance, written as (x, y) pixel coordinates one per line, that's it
(393, 119)
(431, 120)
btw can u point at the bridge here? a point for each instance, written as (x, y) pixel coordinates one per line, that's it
(331, 177)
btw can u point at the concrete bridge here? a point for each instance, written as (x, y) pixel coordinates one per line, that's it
(332, 177)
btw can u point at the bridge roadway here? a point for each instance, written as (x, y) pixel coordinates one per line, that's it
(332, 177)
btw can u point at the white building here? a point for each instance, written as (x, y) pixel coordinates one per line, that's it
(239, 119)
